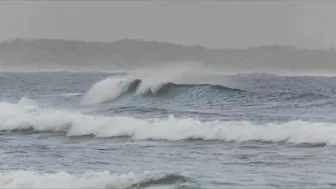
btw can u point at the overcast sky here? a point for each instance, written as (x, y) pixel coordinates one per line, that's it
(233, 24)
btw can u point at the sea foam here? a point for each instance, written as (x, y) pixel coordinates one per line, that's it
(28, 115)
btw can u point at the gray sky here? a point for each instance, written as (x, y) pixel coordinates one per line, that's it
(309, 24)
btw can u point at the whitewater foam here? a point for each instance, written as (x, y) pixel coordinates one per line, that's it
(112, 87)
(26, 115)
(107, 89)
(31, 179)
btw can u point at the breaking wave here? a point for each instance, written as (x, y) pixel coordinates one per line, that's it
(105, 179)
(27, 115)
(113, 87)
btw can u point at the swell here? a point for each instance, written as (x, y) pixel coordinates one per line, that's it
(168, 179)
(167, 87)
(171, 86)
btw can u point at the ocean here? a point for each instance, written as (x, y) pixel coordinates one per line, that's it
(159, 129)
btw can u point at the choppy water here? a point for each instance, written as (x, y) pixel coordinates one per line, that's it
(164, 130)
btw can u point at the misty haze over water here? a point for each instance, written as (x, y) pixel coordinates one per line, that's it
(68, 55)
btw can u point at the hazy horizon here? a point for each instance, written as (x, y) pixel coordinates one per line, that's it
(80, 56)
(220, 35)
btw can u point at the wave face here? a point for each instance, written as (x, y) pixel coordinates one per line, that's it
(105, 179)
(26, 115)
